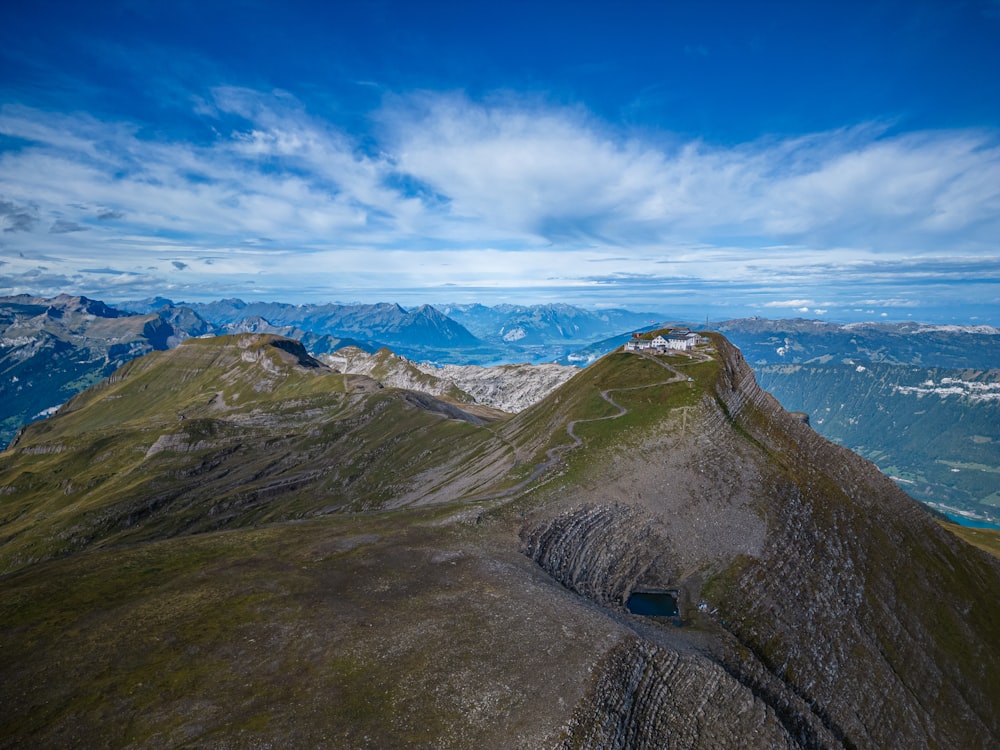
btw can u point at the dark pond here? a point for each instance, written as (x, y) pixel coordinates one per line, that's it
(653, 604)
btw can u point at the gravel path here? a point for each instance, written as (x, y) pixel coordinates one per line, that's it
(553, 455)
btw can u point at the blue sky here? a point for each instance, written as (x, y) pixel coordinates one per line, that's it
(835, 160)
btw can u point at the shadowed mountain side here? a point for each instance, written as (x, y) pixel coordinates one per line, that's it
(820, 607)
(420, 327)
(921, 401)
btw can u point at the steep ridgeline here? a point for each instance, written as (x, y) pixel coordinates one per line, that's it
(921, 401)
(53, 348)
(826, 608)
(510, 388)
(936, 432)
(229, 544)
(316, 344)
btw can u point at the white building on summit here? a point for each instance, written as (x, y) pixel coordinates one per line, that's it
(678, 341)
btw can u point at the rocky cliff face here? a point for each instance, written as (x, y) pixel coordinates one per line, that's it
(600, 552)
(510, 388)
(649, 697)
(840, 614)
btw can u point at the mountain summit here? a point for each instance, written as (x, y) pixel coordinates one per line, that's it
(229, 543)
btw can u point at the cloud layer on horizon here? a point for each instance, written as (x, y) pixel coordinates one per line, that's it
(503, 193)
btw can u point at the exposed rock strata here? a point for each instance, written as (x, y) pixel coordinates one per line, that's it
(600, 552)
(643, 697)
(648, 697)
(510, 388)
(821, 619)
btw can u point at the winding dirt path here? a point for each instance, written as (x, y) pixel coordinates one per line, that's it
(553, 455)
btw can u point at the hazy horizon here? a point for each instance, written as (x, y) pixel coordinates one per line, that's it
(721, 159)
(665, 313)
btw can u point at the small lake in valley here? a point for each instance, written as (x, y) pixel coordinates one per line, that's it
(653, 603)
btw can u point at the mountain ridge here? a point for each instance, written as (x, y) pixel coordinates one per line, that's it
(390, 323)
(861, 383)
(766, 582)
(510, 388)
(345, 564)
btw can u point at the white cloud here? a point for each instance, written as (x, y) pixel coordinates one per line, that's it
(556, 173)
(800, 304)
(505, 191)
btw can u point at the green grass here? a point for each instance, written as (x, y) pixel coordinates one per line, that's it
(359, 630)
(156, 626)
(288, 442)
(964, 466)
(991, 500)
(987, 540)
(631, 380)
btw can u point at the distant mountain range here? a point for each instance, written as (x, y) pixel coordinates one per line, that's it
(423, 330)
(921, 401)
(765, 341)
(456, 334)
(53, 348)
(542, 326)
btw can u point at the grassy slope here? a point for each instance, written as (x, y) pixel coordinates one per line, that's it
(365, 630)
(214, 435)
(632, 381)
(377, 631)
(987, 540)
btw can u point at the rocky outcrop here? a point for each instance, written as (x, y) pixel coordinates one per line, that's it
(823, 621)
(599, 552)
(648, 697)
(510, 388)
